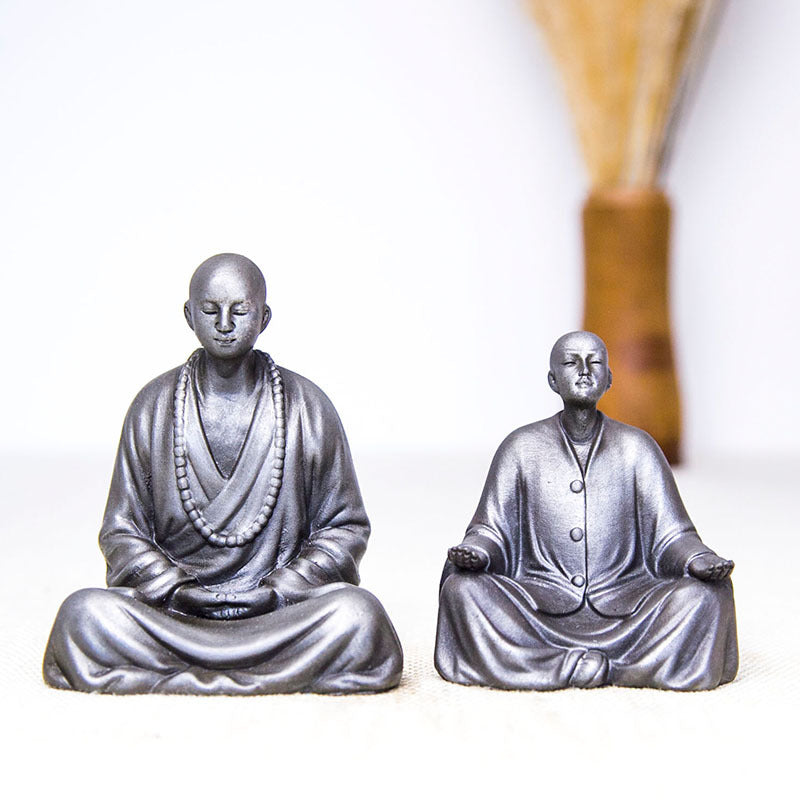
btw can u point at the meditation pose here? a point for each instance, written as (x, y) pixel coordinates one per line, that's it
(233, 530)
(581, 566)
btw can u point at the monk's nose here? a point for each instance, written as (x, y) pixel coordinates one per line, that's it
(224, 321)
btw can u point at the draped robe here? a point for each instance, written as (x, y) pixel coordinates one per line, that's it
(125, 639)
(584, 559)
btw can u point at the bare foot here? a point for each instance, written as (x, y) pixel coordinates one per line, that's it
(590, 671)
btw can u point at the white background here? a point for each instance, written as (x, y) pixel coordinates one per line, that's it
(406, 175)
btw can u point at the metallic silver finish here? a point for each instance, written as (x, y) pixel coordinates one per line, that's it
(233, 530)
(581, 566)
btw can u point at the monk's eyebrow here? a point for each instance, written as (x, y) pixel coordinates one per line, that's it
(578, 354)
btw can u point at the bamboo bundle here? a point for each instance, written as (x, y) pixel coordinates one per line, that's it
(627, 66)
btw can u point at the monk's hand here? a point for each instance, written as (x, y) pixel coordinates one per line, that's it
(250, 603)
(466, 557)
(289, 586)
(710, 567)
(189, 599)
(197, 601)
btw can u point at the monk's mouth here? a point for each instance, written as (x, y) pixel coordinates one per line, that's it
(225, 341)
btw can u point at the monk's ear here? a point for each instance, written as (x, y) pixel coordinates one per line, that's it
(551, 380)
(267, 317)
(609, 381)
(187, 312)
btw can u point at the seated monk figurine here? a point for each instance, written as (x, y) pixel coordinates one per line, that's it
(233, 530)
(581, 566)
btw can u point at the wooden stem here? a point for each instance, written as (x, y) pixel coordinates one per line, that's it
(626, 252)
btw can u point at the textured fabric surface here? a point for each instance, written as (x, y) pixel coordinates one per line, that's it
(314, 534)
(427, 736)
(550, 601)
(336, 639)
(683, 636)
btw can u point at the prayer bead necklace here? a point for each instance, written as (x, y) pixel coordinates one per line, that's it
(200, 523)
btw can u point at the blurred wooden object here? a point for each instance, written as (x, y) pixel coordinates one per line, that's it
(626, 243)
(627, 66)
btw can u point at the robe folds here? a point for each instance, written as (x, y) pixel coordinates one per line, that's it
(586, 566)
(336, 637)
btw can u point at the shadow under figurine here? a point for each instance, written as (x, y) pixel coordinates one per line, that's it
(233, 530)
(581, 566)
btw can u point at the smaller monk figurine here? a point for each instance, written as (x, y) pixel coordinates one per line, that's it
(581, 566)
(233, 530)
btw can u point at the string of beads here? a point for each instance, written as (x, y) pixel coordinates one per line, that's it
(200, 523)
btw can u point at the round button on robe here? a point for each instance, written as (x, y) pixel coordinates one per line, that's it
(576, 534)
(578, 580)
(576, 486)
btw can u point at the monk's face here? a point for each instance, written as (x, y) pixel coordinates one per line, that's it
(579, 369)
(227, 309)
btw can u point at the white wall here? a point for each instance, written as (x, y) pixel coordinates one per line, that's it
(407, 177)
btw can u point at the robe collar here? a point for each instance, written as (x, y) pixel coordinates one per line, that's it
(598, 435)
(224, 500)
(249, 406)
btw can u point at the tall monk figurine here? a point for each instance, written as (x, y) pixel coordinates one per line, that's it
(581, 566)
(233, 529)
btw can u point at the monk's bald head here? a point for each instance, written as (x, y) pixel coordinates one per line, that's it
(229, 267)
(577, 340)
(227, 306)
